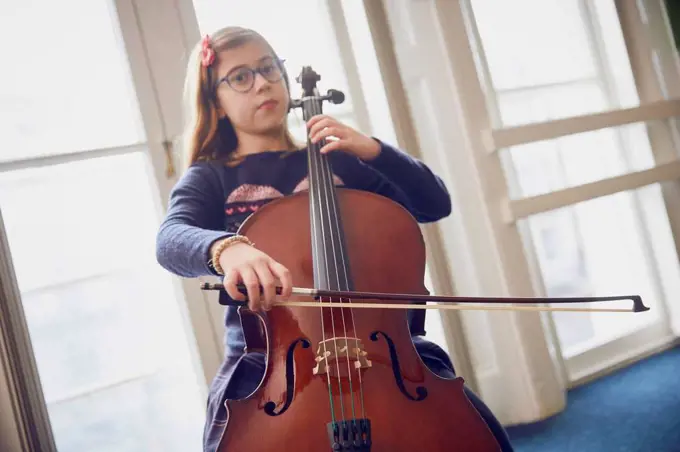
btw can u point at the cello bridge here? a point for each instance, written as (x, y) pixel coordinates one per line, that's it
(340, 348)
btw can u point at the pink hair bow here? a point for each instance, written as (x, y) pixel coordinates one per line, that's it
(207, 53)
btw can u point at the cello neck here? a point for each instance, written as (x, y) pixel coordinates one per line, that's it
(329, 252)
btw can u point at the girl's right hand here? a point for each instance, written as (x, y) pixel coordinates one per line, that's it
(245, 264)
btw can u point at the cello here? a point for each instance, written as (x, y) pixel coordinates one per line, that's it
(342, 374)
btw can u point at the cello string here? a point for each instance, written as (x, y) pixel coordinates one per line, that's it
(314, 219)
(329, 200)
(349, 301)
(316, 156)
(321, 179)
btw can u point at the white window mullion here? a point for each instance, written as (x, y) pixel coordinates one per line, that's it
(604, 77)
(492, 95)
(512, 136)
(523, 208)
(59, 159)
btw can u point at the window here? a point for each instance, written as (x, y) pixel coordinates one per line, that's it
(113, 352)
(577, 67)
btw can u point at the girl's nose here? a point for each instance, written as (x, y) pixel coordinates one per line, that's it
(260, 82)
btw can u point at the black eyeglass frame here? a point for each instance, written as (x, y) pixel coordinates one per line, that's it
(259, 70)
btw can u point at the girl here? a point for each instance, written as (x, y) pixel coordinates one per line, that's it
(241, 156)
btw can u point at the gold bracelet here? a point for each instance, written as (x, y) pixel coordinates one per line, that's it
(215, 261)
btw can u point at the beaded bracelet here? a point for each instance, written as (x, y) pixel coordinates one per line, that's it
(215, 261)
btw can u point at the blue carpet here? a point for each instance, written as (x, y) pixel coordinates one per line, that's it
(636, 409)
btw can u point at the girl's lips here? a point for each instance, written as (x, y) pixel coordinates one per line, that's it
(268, 105)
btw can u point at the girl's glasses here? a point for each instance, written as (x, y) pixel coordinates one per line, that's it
(242, 79)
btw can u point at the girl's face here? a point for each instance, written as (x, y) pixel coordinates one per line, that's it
(255, 102)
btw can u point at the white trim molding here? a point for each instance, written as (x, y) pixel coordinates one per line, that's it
(508, 352)
(24, 420)
(441, 242)
(158, 40)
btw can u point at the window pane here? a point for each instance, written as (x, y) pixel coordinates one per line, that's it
(66, 84)
(606, 246)
(299, 31)
(545, 166)
(515, 56)
(549, 103)
(86, 222)
(579, 65)
(112, 346)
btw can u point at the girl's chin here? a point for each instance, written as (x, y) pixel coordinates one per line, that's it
(272, 129)
(278, 110)
(271, 121)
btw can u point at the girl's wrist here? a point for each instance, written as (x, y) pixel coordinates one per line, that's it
(219, 246)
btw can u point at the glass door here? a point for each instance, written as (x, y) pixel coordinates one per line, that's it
(115, 351)
(585, 236)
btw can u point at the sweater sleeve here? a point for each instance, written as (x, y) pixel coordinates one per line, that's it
(193, 222)
(410, 182)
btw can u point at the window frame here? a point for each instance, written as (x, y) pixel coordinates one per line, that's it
(654, 64)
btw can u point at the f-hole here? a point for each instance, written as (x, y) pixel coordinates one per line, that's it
(270, 406)
(421, 391)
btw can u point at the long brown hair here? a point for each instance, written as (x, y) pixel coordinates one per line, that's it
(206, 136)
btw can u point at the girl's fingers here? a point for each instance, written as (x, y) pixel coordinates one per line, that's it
(268, 284)
(251, 281)
(320, 125)
(230, 281)
(332, 146)
(334, 131)
(285, 278)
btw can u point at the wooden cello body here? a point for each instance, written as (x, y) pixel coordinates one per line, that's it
(337, 378)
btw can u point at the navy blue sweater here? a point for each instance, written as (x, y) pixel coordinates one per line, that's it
(211, 200)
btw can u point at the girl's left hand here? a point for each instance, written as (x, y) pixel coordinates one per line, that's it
(346, 138)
